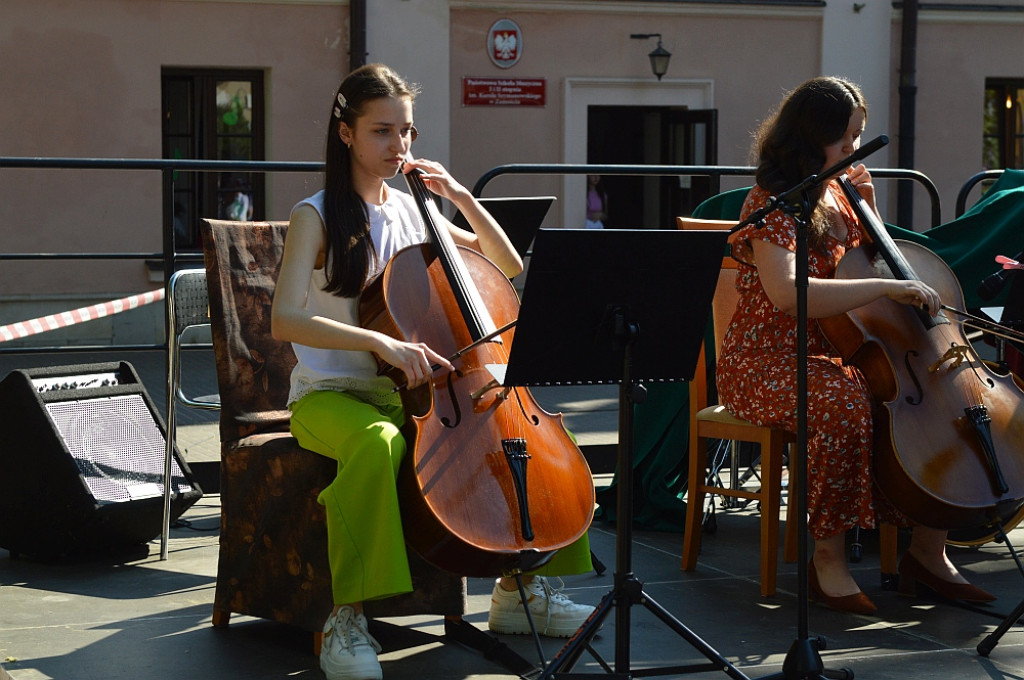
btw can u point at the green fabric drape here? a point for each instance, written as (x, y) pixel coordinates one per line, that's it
(968, 244)
(724, 206)
(660, 432)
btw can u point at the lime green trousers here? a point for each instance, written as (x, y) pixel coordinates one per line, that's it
(366, 547)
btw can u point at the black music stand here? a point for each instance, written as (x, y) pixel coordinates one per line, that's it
(519, 216)
(618, 306)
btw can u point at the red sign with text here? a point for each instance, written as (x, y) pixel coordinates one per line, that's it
(504, 91)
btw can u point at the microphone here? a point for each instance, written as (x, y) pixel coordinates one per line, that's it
(995, 282)
(867, 149)
(860, 154)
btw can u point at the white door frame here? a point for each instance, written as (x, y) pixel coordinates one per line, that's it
(579, 93)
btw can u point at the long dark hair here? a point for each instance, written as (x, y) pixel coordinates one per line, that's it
(349, 249)
(790, 145)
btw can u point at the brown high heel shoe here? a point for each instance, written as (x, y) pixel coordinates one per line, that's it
(913, 572)
(858, 603)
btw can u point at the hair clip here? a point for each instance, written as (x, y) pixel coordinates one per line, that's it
(342, 105)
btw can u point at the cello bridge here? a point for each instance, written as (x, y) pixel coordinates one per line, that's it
(956, 353)
(476, 394)
(492, 385)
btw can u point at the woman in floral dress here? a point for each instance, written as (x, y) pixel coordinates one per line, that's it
(817, 125)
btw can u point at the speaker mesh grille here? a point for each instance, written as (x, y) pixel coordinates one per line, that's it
(117, 446)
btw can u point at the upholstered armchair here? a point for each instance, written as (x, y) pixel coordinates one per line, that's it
(273, 541)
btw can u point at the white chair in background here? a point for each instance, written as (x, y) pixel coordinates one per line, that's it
(188, 309)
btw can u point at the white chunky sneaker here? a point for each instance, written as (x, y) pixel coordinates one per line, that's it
(349, 652)
(554, 614)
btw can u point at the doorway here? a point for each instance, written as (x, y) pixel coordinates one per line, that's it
(652, 135)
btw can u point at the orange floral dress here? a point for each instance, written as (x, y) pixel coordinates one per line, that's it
(756, 378)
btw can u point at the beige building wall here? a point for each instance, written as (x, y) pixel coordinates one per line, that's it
(587, 57)
(81, 78)
(412, 36)
(956, 52)
(748, 56)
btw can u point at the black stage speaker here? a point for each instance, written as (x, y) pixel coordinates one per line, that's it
(82, 461)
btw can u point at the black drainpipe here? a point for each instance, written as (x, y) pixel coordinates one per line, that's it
(357, 34)
(907, 99)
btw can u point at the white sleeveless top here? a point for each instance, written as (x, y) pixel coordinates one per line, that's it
(393, 226)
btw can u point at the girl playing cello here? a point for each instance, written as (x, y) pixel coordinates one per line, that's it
(816, 126)
(338, 240)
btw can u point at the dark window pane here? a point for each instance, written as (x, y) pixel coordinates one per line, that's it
(180, 147)
(234, 107)
(992, 112)
(990, 153)
(177, 107)
(235, 192)
(234, 148)
(212, 114)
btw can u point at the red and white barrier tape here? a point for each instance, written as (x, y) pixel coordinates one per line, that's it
(51, 322)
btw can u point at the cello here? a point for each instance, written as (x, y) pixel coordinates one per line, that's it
(948, 429)
(491, 483)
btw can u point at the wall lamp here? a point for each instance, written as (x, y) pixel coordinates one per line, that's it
(659, 56)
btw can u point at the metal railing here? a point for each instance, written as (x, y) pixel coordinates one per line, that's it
(169, 256)
(715, 172)
(168, 167)
(965, 190)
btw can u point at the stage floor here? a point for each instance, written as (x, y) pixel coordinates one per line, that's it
(137, 617)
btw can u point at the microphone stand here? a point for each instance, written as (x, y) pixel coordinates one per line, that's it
(803, 660)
